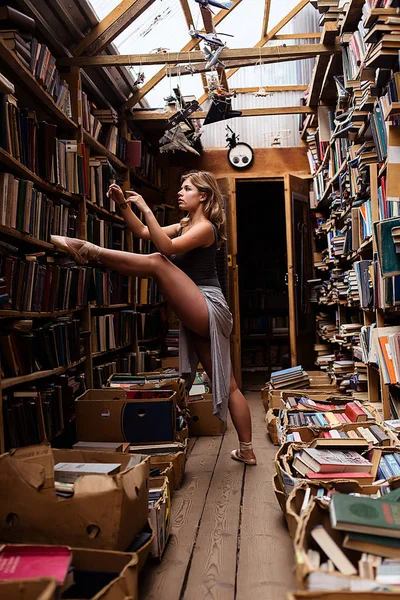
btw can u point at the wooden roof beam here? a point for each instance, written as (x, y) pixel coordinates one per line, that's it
(267, 9)
(200, 68)
(149, 85)
(152, 115)
(111, 26)
(277, 52)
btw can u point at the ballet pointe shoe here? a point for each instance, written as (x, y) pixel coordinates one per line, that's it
(240, 454)
(87, 251)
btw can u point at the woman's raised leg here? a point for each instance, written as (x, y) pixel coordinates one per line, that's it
(179, 290)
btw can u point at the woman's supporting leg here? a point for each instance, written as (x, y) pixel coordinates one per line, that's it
(237, 404)
(181, 293)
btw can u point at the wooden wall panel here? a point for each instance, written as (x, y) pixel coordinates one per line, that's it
(268, 162)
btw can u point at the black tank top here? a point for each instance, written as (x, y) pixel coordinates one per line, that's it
(199, 264)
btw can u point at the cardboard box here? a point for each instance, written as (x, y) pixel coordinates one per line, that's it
(202, 421)
(28, 589)
(109, 415)
(295, 499)
(160, 516)
(288, 477)
(177, 384)
(178, 460)
(106, 512)
(123, 564)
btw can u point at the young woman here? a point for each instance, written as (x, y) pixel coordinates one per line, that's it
(185, 271)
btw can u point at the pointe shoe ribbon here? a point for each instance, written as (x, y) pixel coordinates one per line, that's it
(87, 251)
(240, 454)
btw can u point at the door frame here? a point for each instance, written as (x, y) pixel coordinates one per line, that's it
(234, 271)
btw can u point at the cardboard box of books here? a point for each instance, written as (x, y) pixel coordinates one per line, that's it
(326, 460)
(159, 514)
(174, 453)
(202, 420)
(78, 572)
(153, 380)
(122, 415)
(350, 543)
(104, 512)
(299, 499)
(28, 589)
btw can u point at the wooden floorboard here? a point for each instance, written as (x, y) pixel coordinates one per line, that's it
(228, 538)
(212, 574)
(166, 579)
(265, 566)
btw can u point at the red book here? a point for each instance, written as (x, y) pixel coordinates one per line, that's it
(28, 562)
(355, 413)
(340, 475)
(133, 156)
(340, 418)
(326, 434)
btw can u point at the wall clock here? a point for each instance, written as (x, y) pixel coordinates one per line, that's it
(241, 155)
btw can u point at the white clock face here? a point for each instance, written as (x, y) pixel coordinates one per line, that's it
(241, 156)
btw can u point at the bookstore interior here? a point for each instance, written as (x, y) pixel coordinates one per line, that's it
(297, 117)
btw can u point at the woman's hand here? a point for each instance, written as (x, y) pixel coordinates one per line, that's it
(115, 193)
(137, 200)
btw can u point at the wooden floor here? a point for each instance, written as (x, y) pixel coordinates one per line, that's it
(228, 538)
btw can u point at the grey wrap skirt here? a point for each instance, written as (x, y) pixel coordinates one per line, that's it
(220, 323)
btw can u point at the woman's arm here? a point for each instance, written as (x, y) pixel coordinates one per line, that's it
(199, 235)
(138, 228)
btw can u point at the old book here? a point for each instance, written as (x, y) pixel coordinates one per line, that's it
(102, 446)
(29, 561)
(372, 544)
(365, 515)
(325, 461)
(69, 472)
(332, 550)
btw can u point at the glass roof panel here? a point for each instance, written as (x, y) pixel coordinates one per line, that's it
(163, 25)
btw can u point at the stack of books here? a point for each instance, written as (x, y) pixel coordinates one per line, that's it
(315, 463)
(292, 378)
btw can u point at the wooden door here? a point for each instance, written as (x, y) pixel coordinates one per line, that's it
(299, 269)
(228, 189)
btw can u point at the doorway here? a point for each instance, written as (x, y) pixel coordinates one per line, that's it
(263, 293)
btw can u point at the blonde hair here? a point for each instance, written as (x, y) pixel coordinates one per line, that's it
(212, 207)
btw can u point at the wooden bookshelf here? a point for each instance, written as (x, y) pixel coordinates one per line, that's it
(12, 381)
(17, 167)
(25, 237)
(21, 74)
(27, 83)
(20, 314)
(110, 350)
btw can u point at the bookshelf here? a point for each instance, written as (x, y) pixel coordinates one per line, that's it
(82, 210)
(355, 185)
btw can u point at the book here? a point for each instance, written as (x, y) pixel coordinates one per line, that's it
(365, 515)
(372, 544)
(388, 573)
(102, 446)
(69, 472)
(332, 550)
(325, 461)
(31, 561)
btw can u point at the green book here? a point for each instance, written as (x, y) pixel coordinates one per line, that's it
(389, 259)
(365, 515)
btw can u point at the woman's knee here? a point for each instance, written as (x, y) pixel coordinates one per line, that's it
(158, 263)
